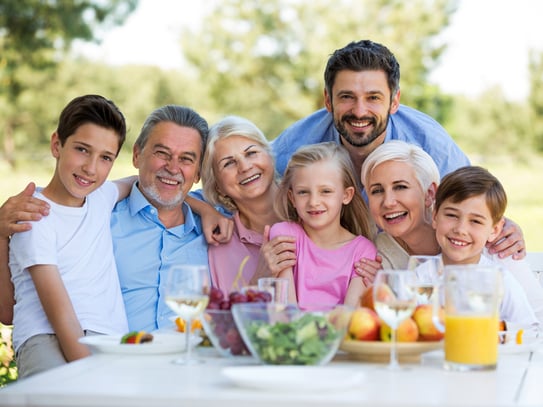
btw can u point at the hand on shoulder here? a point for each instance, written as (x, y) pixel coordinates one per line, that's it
(20, 209)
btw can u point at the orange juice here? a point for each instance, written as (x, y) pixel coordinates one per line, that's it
(471, 339)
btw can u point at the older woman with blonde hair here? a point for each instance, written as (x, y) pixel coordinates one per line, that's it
(238, 173)
(401, 181)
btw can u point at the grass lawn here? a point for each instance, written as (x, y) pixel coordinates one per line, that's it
(522, 181)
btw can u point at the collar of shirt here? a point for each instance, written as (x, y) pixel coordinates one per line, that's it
(138, 203)
(246, 235)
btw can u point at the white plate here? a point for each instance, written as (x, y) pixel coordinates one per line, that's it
(294, 378)
(531, 341)
(162, 343)
(512, 348)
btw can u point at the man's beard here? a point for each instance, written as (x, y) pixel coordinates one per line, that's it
(361, 139)
(153, 195)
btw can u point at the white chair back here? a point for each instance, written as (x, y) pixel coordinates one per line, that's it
(535, 260)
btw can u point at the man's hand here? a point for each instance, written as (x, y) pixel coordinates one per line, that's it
(19, 209)
(218, 229)
(510, 242)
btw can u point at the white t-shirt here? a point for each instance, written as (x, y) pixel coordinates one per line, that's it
(515, 308)
(78, 241)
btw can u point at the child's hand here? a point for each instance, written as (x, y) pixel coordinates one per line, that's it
(367, 269)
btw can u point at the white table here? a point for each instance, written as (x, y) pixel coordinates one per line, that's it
(151, 380)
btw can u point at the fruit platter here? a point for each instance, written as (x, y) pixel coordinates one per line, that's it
(369, 338)
(379, 352)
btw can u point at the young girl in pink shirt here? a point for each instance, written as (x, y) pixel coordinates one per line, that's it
(321, 208)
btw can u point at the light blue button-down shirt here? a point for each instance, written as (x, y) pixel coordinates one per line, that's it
(407, 124)
(144, 250)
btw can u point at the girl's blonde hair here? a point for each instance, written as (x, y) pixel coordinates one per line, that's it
(228, 127)
(354, 215)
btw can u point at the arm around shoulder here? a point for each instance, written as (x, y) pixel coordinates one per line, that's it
(124, 185)
(217, 227)
(18, 210)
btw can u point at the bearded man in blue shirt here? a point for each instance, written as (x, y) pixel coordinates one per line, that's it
(363, 110)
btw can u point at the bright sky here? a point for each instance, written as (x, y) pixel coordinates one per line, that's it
(488, 42)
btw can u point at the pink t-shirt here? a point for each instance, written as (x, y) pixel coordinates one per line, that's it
(225, 259)
(322, 276)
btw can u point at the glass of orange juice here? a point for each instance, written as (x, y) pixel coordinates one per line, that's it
(471, 317)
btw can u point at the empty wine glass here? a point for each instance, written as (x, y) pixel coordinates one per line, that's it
(429, 272)
(187, 294)
(394, 300)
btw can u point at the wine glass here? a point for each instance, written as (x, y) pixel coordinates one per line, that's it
(187, 294)
(395, 300)
(429, 273)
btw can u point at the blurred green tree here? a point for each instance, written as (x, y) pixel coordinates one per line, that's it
(137, 90)
(490, 124)
(34, 34)
(265, 59)
(535, 98)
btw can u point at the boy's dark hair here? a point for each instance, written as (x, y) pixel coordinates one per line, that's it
(93, 109)
(470, 181)
(363, 55)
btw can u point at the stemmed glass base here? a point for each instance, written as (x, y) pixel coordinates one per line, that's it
(394, 301)
(394, 365)
(187, 294)
(188, 359)
(188, 362)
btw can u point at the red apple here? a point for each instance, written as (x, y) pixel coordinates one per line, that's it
(364, 325)
(406, 332)
(423, 316)
(366, 299)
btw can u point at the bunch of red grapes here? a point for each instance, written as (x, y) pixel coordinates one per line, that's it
(221, 321)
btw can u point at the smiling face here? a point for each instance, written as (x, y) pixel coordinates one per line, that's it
(244, 170)
(463, 229)
(317, 194)
(397, 202)
(83, 163)
(361, 104)
(168, 164)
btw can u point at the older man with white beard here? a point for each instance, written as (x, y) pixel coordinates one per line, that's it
(154, 228)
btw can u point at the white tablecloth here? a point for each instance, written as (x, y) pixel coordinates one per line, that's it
(151, 380)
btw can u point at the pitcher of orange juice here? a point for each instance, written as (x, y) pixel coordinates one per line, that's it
(471, 297)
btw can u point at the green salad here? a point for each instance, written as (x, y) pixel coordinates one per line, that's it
(304, 341)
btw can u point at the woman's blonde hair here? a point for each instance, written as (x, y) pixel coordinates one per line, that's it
(354, 215)
(424, 166)
(426, 171)
(228, 127)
